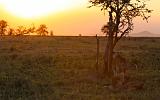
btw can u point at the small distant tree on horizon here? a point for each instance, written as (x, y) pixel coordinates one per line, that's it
(21, 30)
(120, 22)
(79, 34)
(11, 32)
(31, 29)
(51, 33)
(3, 26)
(42, 30)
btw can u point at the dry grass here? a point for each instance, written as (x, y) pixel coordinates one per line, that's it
(62, 68)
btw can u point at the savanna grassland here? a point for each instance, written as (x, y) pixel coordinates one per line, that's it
(63, 68)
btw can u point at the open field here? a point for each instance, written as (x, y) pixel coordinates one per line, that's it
(63, 68)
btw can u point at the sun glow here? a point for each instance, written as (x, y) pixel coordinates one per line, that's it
(37, 8)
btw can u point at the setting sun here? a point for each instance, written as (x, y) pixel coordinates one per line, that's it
(79, 49)
(37, 8)
(68, 17)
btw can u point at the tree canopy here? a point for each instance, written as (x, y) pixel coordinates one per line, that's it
(42, 30)
(3, 26)
(121, 14)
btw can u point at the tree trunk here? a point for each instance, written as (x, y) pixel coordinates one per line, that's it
(108, 57)
(109, 49)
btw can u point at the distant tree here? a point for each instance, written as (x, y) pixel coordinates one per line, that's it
(80, 35)
(21, 30)
(42, 30)
(120, 22)
(51, 33)
(11, 31)
(3, 26)
(31, 29)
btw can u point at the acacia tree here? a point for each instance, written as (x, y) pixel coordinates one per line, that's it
(21, 30)
(3, 26)
(11, 31)
(42, 30)
(31, 29)
(120, 23)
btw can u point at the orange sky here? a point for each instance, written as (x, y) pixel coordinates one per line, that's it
(77, 18)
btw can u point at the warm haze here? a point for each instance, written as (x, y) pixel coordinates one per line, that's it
(71, 50)
(67, 17)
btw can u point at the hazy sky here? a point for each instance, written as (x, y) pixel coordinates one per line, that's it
(68, 17)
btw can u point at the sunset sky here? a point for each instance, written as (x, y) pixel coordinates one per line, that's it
(68, 17)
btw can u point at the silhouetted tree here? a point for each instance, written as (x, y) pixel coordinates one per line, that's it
(51, 33)
(3, 26)
(11, 31)
(42, 30)
(21, 30)
(80, 35)
(31, 29)
(120, 23)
